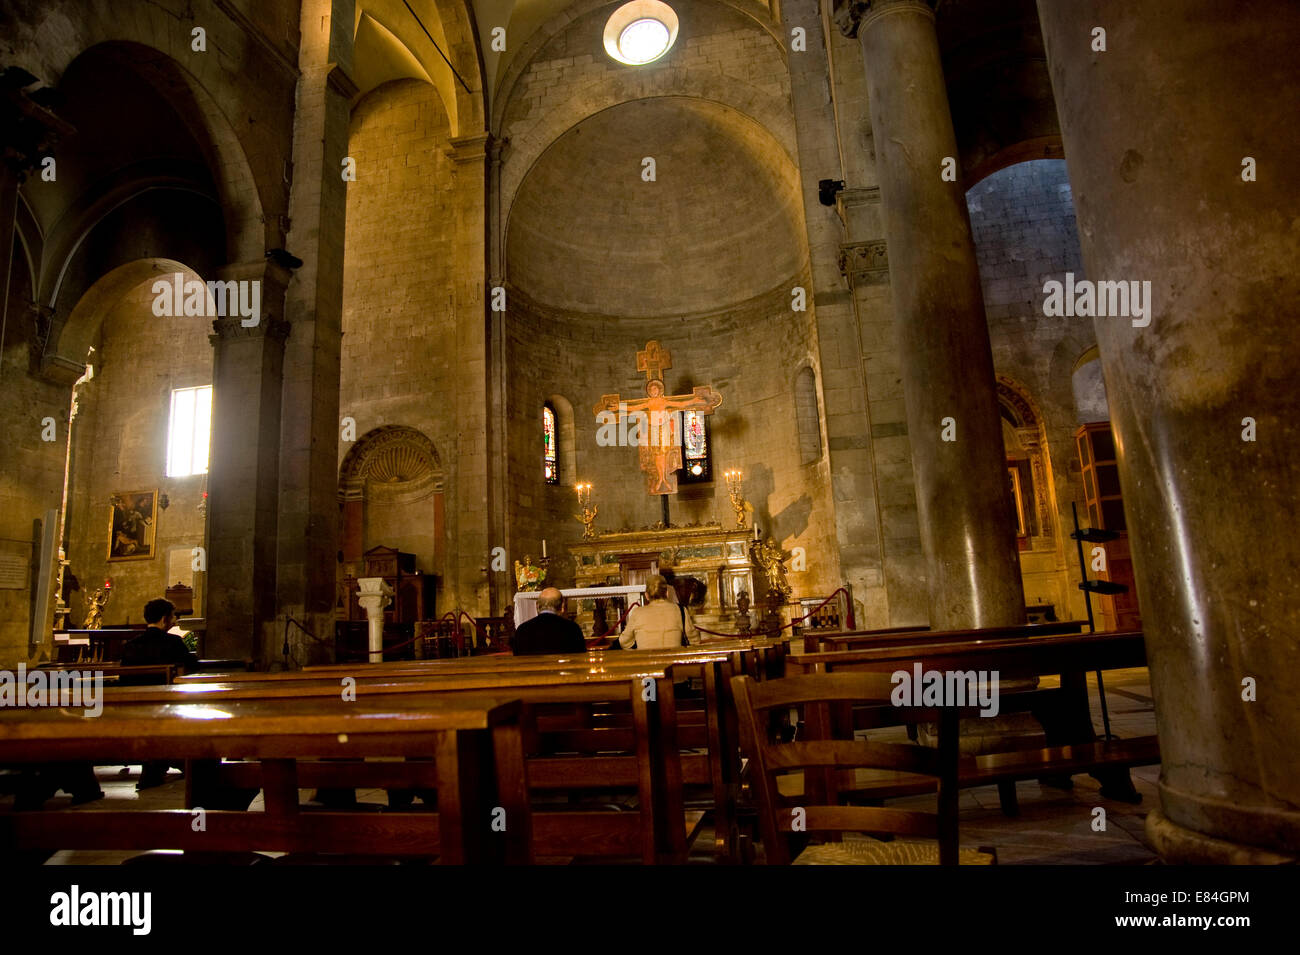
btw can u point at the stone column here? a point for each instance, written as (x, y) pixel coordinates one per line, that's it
(243, 479)
(1156, 131)
(498, 406)
(307, 551)
(469, 526)
(374, 594)
(947, 365)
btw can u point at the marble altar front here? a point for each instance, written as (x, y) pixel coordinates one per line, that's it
(715, 556)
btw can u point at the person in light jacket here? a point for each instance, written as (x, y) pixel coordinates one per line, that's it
(659, 624)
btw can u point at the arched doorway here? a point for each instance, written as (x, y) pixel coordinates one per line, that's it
(1029, 470)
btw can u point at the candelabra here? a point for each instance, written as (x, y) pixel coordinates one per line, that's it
(736, 488)
(588, 515)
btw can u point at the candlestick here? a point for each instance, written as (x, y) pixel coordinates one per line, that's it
(543, 548)
(588, 515)
(736, 490)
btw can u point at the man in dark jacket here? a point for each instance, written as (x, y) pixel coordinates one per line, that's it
(156, 646)
(549, 631)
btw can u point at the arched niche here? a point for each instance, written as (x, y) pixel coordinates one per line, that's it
(1089, 387)
(1026, 430)
(391, 494)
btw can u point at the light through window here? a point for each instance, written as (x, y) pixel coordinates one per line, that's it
(550, 463)
(640, 32)
(643, 40)
(189, 431)
(697, 466)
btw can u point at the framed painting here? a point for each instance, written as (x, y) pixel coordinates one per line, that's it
(131, 525)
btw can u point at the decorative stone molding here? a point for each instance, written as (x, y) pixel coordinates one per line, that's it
(232, 328)
(340, 82)
(466, 149)
(391, 465)
(865, 263)
(849, 15)
(1012, 397)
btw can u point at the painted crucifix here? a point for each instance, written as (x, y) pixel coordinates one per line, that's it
(660, 440)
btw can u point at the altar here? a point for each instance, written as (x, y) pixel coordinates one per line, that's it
(714, 557)
(526, 600)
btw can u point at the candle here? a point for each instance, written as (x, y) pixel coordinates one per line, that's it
(543, 548)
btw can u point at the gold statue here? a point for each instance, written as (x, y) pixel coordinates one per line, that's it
(736, 490)
(95, 610)
(769, 556)
(588, 518)
(529, 576)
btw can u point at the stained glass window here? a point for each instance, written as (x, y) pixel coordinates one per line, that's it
(697, 465)
(550, 463)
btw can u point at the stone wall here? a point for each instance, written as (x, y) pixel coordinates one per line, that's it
(120, 444)
(399, 350)
(752, 355)
(1023, 222)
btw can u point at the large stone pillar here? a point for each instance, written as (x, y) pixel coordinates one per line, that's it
(1156, 129)
(307, 551)
(963, 503)
(243, 478)
(469, 518)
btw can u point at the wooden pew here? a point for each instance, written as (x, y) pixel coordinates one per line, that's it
(861, 640)
(473, 741)
(813, 640)
(653, 769)
(159, 672)
(1073, 746)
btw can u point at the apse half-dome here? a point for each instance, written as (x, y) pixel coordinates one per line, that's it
(719, 223)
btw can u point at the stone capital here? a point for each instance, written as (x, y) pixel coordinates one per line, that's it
(865, 263)
(467, 149)
(232, 328)
(338, 80)
(851, 15)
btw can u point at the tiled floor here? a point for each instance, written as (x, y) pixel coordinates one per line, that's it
(1054, 826)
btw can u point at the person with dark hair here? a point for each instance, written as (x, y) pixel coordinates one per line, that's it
(156, 646)
(550, 631)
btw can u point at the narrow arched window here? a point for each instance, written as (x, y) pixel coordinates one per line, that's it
(550, 457)
(808, 418)
(697, 454)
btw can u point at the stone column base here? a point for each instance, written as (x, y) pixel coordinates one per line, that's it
(1179, 846)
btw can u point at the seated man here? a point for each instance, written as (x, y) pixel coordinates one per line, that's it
(549, 631)
(660, 624)
(155, 646)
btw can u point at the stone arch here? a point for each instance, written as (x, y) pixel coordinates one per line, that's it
(391, 492)
(385, 52)
(64, 354)
(566, 441)
(1088, 386)
(768, 112)
(1040, 147)
(397, 462)
(252, 215)
(557, 24)
(1022, 413)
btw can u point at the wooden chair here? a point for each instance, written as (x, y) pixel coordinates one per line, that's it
(782, 825)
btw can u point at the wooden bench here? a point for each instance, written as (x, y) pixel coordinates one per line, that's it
(154, 672)
(865, 639)
(473, 743)
(637, 752)
(1072, 743)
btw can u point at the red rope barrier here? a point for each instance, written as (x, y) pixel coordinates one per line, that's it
(841, 590)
